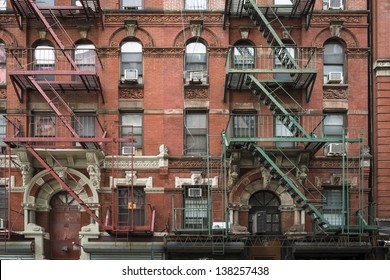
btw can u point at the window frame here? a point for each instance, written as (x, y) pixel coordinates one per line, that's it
(190, 63)
(244, 45)
(196, 211)
(138, 5)
(200, 143)
(135, 50)
(196, 5)
(284, 133)
(44, 59)
(3, 63)
(342, 126)
(332, 64)
(332, 210)
(248, 118)
(129, 205)
(137, 135)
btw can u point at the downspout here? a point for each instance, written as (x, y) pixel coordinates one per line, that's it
(371, 111)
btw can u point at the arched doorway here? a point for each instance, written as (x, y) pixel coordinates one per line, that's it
(264, 215)
(64, 227)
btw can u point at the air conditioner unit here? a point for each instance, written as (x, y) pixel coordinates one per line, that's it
(130, 75)
(219, 225)
(335, 5)
(196, 77)
(194, 192)
(333, 149)
(128, 150)
(335, 78)
(3, 224)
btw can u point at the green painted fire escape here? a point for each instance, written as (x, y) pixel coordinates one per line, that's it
(299, 66)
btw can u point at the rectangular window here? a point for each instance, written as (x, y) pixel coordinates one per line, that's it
(3, 207)
(132, 4)
(3, 129)
(195, 127)
(131, 127)
(195, 207)
(244, 57)
(195, 4)
(283, 131)
(334, 125)
(44, 3)
(85, 126)
(3, 64)
(332, 205)
(43, 125)
(131, 206)
(245, 125)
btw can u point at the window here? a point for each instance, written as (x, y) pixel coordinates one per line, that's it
(131, 128)
(131, 206)
(3, 64)
(245, 124)
(195, 4)
(278, 65)
(3, 207)
(85, 57)
(333, 69)
(195, 207)
(43, 125)
(195, 128)
(332, 4)
(131, 4)
(283, 131)
(3, 5)
(332, 205)
(196, 63)
(44, 60)
(43, 3)
(334, 125)
(244, 56)
(84, 125)
(264, 214)
(131, 62)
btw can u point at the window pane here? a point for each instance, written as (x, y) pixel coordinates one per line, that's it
(132, 4)
(44, 55)
(334, 125)
(244, 126)
(132, 128)
(85, 55)
(196, 4)
(3, 128)
(44, 126)
(45, 2)
(196, 133)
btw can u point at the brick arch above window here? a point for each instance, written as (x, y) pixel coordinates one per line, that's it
(345, 35)
(8, 38)
(208, 37)
(140, 35)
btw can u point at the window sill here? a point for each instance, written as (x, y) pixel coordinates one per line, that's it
(196, 85)
(130, 85)
(342, 86)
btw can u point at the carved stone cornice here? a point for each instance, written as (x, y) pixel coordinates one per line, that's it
(333, 163)
(335, 93)
(163, 18)
(196, 93)
(3, 93)
(382, 67)
(131, 93)
(108, 52)
(326, 18)
(128, 163)
(163, 52)
(358, 52)
(8, 19)
(218, 52)
(192, 163)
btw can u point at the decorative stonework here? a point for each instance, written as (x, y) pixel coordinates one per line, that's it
(3, 93)
(333, 163)
(159, 19)
(140, 34)
(196, 179)
(325, 19)
(163, 52)
(131, 93)
(131, 179)
(345, 34)
(335, 93)
(207, 35)
(195, 164)
(382, 67)
(108, 52)
(196, 93)
(7, 19)
(126, 163)
(357, 52)
(218, 52)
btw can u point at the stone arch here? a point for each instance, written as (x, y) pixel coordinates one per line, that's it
(254, 181)
(8, 38)
(43, 186)
(207, 35)
(345, 35)
(140, 34)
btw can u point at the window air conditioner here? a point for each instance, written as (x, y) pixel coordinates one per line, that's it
(194, 192)
(333, 149)
(335, 78)
(219, 225)
(128, 150)
(196, 77)
(130, 75)
(335, 5)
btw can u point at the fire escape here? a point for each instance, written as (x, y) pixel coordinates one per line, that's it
(277, 76)
(60, 78)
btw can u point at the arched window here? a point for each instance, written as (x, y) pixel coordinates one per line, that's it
(244, 55)
(264, 216)
(131, 62)
(3, 64)
(44, 60)
(334, 63)
(196, 63)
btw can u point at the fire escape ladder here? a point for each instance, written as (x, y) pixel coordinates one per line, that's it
(283, 180)
(71, 192)
(268, 32)
(259, 89)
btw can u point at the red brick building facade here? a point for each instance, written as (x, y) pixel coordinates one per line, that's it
(190, 129)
